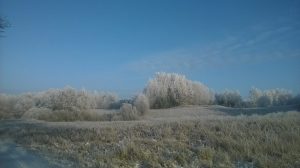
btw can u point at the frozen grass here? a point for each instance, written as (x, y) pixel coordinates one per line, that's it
(207, 138)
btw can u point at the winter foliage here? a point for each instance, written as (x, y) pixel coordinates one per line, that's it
(273, 97)
(171, 89)
(64, 100)
(128, 112)
(163, 91)
(141, 103)
(229, 99)
(257, 98)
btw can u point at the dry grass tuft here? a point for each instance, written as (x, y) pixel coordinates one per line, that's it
(141, 103)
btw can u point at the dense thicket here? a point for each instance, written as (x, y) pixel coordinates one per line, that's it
(257, 98)
(66, 99)
(273, 97)
(171, 89)
(229, 99)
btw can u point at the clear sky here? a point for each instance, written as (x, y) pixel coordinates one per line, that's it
(118, 45)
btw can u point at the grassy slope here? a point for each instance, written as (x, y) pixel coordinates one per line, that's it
(195, 137)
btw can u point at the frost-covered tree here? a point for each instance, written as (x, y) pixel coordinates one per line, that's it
(83, 100)
(24, 103)
(279, 96)
(171, 89)
(272, 97)
(104, 100)
(264, 101)
(7, 106)
(254, 95)
(201, 94)
(63, 99)
(229, 99)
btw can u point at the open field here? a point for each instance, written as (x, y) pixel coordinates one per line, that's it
(149, 84)
(189, 136)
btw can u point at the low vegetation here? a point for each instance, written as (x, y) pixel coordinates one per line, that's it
(271, 140)
(141, 103)
(67, 104)
(165, 90)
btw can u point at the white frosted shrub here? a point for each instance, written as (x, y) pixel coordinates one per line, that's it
(104, 100)
(229, 98)
(201, 94)
(128, 112)
(68, 98)
(24, 103)
(272, 97)
(141, 103)
(36, 113)
(83, 100)
(254, 95)
(41, 99)
(7, 104)
(171, 89)
(280, 96)
(264, 101)
(64, 99)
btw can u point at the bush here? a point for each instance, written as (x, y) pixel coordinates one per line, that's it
(264, 101)
(68, 98)
(128, 112)
(57, 99)
(229, 99)
(64, 100)
(201, 94)
(62, 115)
(104, 100)
(37, 113)
(7, 106)
(141, 103)
(13, 106)
(254, 95)
(171, 89)
(272, 97)
(24, 103)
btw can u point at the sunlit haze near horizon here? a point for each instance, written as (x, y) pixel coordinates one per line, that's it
(118, 45)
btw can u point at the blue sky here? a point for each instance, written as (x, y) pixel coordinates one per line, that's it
(118, 45)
